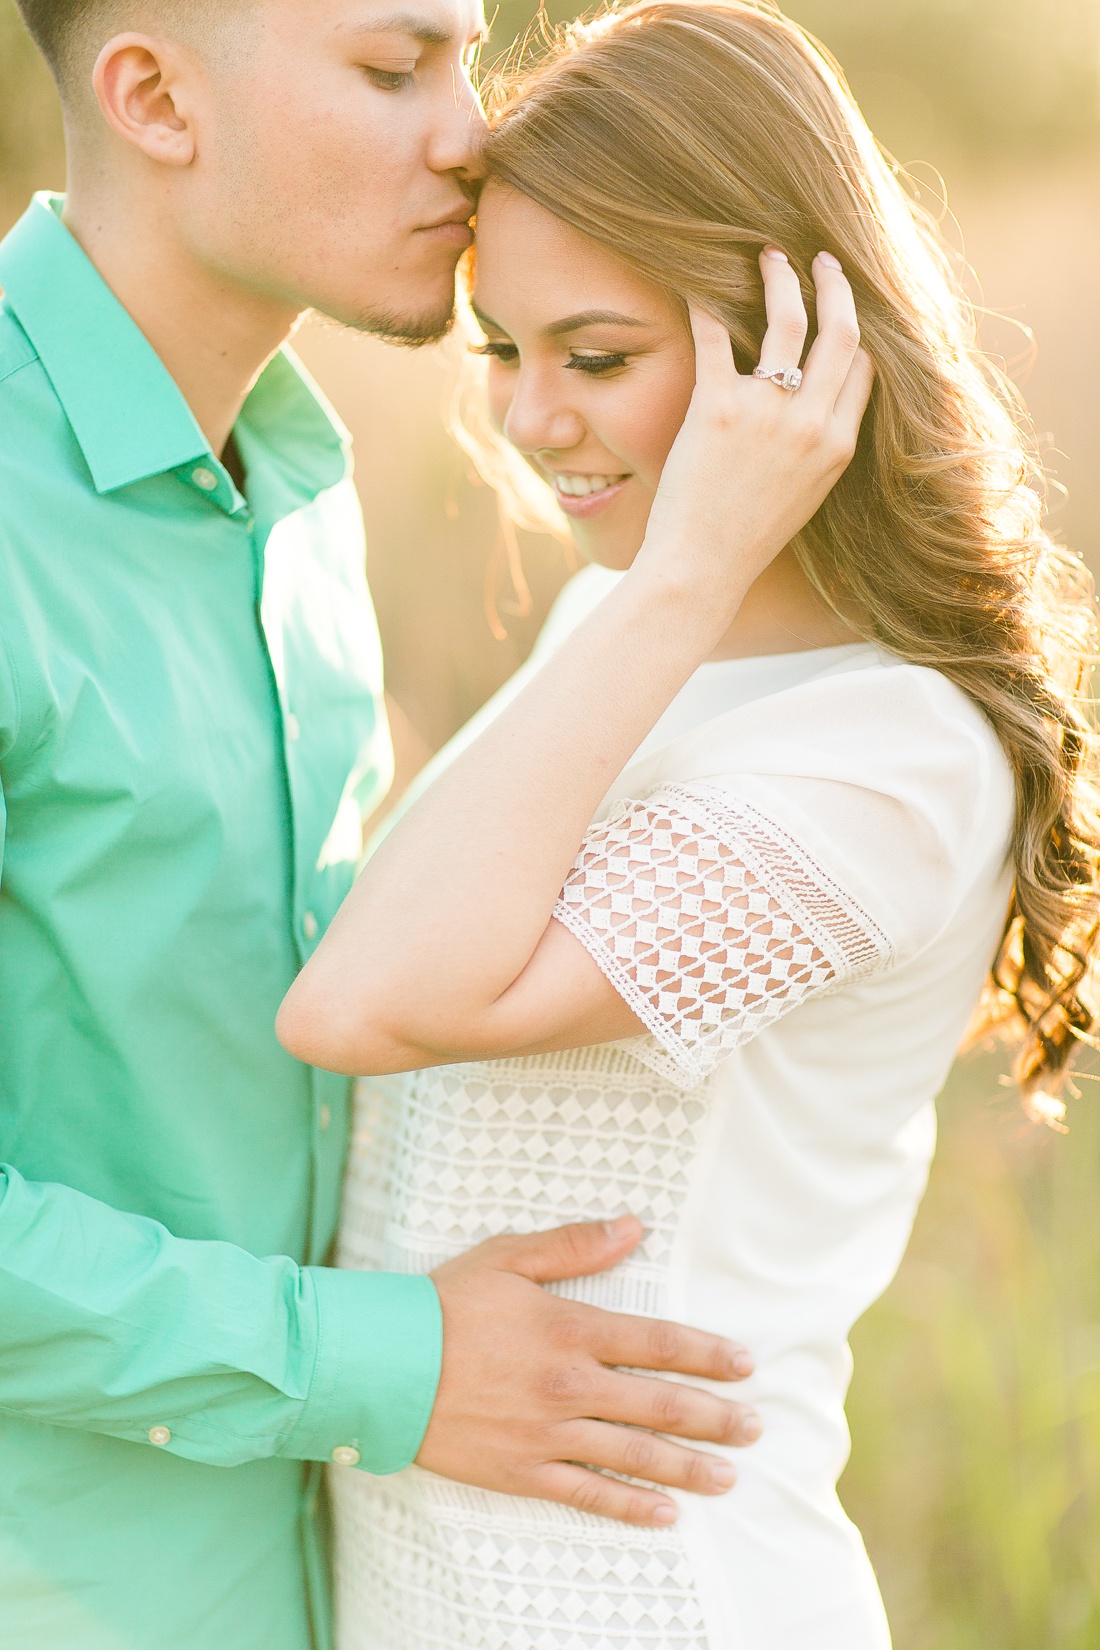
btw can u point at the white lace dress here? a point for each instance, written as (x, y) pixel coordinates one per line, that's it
(797, 884)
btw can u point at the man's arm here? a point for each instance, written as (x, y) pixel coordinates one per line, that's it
(110, 1324)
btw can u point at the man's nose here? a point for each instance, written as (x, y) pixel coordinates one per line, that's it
(457, 138)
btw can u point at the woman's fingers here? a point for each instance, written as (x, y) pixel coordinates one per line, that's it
(787, 322)
(834, 349)
(715, 370)
(851, 403)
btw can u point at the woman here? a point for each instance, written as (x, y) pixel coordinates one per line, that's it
(694, 923)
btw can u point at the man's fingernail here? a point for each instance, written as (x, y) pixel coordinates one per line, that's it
(751, 1428)
(620, 1228)
(776, 252)
(827, 258)
(666, 1513)
(722, 1475)
(742, 1363)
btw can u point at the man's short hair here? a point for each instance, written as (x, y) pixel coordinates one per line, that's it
(54, 26)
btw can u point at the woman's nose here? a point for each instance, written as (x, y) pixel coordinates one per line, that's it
(536, 420)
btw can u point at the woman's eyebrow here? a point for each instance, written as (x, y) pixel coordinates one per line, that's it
(486, 321)
(592, 318)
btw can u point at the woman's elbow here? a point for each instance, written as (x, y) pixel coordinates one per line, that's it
(323, 1032)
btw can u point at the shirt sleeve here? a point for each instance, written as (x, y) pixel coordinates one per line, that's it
(111, 1324)
(711, 921)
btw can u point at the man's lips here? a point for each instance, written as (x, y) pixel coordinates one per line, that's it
(454, 227)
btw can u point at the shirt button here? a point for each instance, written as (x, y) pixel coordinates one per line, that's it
(204, 478)
(293, 728)
(160, 1436)
(346, 1455)
(309, 926)
(324, 1115)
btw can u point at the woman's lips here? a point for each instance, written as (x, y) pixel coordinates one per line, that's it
(591, 503)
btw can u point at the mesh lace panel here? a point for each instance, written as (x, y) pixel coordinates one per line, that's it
(443, 1158)
(711, 922)
(422, 1564)
(439, 1160)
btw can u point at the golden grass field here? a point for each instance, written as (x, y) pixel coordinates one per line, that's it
(975, 1407)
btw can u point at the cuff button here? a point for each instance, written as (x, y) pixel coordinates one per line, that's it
(160, 1436)
(346, 1455)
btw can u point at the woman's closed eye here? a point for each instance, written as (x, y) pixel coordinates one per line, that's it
(590, 361)
(595, 361)
(498, 348)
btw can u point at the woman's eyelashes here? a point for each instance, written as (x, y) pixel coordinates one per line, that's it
(595, 361)
(590, 361)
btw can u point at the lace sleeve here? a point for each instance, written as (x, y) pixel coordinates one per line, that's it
(711, 922)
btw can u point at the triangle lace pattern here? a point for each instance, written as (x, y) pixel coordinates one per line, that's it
(711, 922)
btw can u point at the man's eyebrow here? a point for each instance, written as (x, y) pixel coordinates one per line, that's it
(411, 23)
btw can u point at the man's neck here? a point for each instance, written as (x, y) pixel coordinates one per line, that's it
(213, 337)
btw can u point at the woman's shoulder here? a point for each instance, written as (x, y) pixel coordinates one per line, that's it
(882, 774)
(864, 718)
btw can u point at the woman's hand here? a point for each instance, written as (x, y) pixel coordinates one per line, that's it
(753, 461)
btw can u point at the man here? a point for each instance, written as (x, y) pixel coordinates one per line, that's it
(190, 735)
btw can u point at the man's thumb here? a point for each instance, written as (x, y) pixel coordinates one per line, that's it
(573, 1251)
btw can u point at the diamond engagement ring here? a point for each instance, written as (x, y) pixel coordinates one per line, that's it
(787, 378)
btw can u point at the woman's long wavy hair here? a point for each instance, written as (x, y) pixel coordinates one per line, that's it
(685, 135)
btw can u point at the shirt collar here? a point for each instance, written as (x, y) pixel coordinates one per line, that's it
(123, 405)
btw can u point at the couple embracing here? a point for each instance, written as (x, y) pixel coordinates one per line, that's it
(649, 988)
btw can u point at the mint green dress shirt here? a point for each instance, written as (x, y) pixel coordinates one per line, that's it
(190, 732)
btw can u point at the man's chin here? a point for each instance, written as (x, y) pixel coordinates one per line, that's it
(410, 330)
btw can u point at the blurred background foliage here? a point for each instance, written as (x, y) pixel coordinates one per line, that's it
(975, 1408)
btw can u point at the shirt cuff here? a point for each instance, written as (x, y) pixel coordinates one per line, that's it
(379, 1352)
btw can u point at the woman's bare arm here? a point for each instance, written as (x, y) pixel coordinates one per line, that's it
(445, 948)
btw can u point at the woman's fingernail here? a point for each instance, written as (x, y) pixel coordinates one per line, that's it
(751, 1428)
(722, 1475)
(666, 1513)
(827, 258)
(620, 1228)
(774, 252)
(742, 1363)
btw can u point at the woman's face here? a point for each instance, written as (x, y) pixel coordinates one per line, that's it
(591, 368)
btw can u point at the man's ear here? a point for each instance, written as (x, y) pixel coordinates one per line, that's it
(142, 87)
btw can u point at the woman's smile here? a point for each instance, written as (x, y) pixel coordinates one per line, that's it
(584, 496)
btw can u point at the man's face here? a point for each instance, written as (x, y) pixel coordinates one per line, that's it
(336, 157)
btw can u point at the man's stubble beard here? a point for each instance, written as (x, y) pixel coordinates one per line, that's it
(408, 331)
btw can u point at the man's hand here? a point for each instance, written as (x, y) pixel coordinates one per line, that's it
(529, 1388)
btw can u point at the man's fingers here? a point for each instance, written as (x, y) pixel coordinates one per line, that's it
(656, 1343)
(568, 1251)
(591, 1492)
(643, 1455)
(670, 1406)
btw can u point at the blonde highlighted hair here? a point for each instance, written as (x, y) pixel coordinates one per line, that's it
(684, 135)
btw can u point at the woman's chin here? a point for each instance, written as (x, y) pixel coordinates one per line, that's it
(609, 550)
